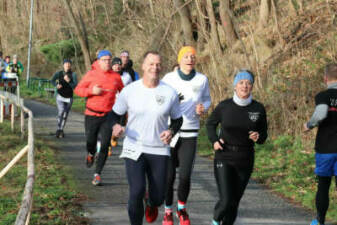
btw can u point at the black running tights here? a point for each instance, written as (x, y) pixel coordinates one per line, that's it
(322, 197)
(93, 126)
(231, 183)
(182, 156)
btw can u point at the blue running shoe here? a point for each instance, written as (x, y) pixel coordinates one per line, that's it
(315, 222)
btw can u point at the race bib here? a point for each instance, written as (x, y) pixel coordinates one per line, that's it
(62, 99)
(130, 154)
(174, 140)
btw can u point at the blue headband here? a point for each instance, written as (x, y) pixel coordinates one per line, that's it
(104, 53)
(243, 75)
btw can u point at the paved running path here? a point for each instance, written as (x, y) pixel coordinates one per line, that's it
(107, 203)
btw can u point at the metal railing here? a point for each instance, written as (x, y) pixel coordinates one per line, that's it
(42, 85)
(24, 213)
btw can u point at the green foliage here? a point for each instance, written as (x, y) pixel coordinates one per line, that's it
(58, 51)
(204, 146)
(55, 194)
(284, 166)
(118, 7)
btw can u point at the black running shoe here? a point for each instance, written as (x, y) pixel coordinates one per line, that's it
(58, 132)
(61, 134)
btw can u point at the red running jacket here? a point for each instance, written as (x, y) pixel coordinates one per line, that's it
(109, 81)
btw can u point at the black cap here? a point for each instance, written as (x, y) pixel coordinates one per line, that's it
(116, 60)
(66, 61)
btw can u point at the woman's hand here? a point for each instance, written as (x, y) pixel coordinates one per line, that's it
(66, 78)
(254, 136)
(166, 136)
(217, 145)
(199, 109)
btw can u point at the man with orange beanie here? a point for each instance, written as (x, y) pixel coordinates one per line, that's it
(195, 99)
(99, 86)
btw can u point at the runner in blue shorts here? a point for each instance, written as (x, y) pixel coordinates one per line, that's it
(325, 118)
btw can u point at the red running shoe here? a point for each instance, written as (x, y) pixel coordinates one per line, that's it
(90, 160)
(151, 213)
(97, 180)
(183, 217)
(168, 219)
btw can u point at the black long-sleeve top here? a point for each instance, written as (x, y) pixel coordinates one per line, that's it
(67, 88)
(326, 138)
(236, 122)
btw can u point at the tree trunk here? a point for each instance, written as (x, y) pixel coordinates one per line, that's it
(79, 34)
(83, 28)
(4, 7)
(264, 13)
(38, 7)
(214, 32)
(185, 21)
(156, 37)
(151, 7)
(125, 5)
(202, 27)
(227, 21)
(0, 44)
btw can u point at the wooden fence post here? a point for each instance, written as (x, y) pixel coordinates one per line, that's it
(2, 110)
(11, 106)
(22, 119)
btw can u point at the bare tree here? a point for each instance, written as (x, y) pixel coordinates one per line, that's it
(264, 13)
(214, 32)
(80, 35)
(203, 33)
(227, 23)
(185, 21)
(4, 7)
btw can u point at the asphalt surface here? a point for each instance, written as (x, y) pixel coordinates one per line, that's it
(107, 204)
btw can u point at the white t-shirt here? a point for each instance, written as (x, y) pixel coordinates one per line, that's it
(194, 91)
(148, 112)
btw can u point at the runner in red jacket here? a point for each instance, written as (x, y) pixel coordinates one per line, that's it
(99, 86)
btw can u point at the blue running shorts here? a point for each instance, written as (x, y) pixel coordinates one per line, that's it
(326, 164)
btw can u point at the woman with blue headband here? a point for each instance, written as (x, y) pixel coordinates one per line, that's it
(242, 124)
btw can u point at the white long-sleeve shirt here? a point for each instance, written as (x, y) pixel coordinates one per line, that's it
(194, 91)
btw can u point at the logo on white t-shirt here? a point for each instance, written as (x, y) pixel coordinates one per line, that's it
(160, 99)
(196, 88)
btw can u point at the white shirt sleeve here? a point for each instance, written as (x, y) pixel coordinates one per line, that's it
(206, 96)
(121, 105)
(175, 112)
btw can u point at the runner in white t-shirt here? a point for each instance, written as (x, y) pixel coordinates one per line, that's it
(149, 104)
